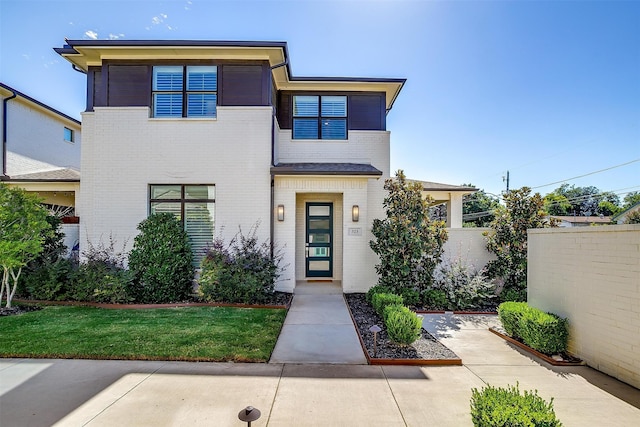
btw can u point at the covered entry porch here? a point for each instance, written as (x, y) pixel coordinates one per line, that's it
(322, 223)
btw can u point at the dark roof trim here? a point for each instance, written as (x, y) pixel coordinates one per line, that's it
(41, 104)
(68, 49)
(344, 169)
(16, 180)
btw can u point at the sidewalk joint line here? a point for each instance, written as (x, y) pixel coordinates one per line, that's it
(393, 395)
(275, 395)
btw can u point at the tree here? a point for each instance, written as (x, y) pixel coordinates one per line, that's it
(631, 199)
(478, 207)
(23, 230)
(161, 260)
(508, 240)
(581, 201)
(408, 243)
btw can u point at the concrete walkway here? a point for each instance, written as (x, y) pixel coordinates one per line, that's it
(318, 328)
(134, 393)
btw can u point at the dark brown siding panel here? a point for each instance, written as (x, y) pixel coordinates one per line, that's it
(99, 94)
(284, 110)
(367, 112)
(129, 85)
(243, 85)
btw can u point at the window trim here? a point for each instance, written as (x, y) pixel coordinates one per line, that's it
(71, 138)
(183, 200)
(320, 117)
(184, 92)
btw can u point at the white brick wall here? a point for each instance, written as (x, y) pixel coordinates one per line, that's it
(124, 151)
(469, 245)
(591, 276)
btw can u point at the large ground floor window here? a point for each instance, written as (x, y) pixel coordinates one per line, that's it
(193, 205)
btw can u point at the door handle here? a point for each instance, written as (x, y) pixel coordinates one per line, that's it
(306, 252)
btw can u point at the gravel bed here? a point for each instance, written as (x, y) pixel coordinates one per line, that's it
(426, 347)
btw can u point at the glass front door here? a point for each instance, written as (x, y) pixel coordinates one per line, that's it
(319, 240)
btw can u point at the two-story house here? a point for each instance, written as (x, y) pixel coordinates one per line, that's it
(223, 135)
(40, 153)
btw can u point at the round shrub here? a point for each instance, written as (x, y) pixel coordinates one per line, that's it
(380, 301)
(403, 325)
(161, 261)
(377, 289)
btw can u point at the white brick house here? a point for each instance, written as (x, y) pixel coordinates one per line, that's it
(223, 135)
(40, 149)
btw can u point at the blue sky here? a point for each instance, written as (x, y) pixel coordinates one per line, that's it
(548, 90)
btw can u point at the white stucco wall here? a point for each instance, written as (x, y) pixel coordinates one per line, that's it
(591, 276)
(38, 134)
(469, 245)
(124, 151)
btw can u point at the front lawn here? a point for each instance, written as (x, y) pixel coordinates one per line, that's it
(189, 333)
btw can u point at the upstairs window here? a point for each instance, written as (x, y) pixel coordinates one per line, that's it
(185, 91)
(319, 117)
(68, 135)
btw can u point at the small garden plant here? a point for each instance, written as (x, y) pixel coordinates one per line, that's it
(403, 325)
(544, 332)
(507, 407)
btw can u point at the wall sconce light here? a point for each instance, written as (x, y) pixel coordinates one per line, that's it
(355, 213)
(280, 212)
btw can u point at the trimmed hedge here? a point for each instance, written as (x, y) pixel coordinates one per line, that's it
(380, 301)
(377, 289)
(499, 407)
(403, 325)
(544, 332)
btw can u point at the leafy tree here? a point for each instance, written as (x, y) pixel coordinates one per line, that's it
(23, 230)
(633, 218)
(479, 203)
(581, 201)
(557, 204)
(508, 239)
(631, 199)
(407, 241)
(161, 260)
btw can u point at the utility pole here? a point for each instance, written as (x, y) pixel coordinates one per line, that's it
(507, 180)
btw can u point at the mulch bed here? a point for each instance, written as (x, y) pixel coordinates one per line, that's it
(425, 351)
(18, 309)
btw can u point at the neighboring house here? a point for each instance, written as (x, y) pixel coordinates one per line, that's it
(581, 221)
(623, 216)
(449, 195)
(40, 149)
(41, 153)
(223, 135)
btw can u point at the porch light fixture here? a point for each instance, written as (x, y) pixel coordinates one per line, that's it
(355, 213)
(280, 212)
(249, 414)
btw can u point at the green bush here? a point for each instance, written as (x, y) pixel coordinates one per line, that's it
(49, 281)
(541, 331)
(509, 314)
(410, 296)
(435, 298)
(161, 261)
(380, 301)
(499, 407)
(513, 294)
(403, 325)
(377, 289)
(101, 277)
(544, 332)
(242, 272)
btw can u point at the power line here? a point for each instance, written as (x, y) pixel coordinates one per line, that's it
(587, 174)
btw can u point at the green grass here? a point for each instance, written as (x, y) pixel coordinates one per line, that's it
(190, 333)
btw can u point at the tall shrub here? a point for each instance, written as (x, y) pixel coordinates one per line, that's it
(508, 240)
(408, 243)
(161, 261)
